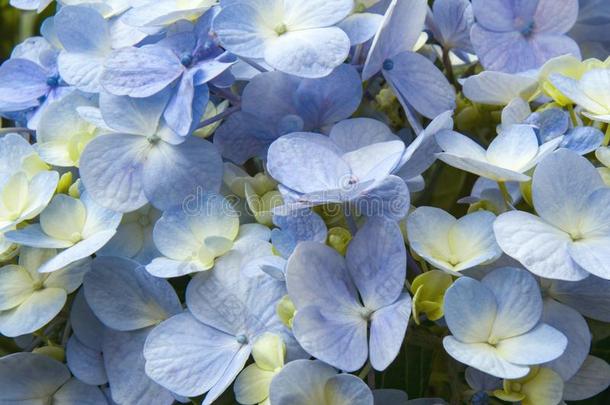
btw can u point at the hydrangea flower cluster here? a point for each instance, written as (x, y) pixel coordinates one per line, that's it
(316, 202)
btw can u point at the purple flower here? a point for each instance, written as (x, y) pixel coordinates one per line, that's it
(517, 35)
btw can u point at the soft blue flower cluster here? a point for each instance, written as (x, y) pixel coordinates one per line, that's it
(279, 202)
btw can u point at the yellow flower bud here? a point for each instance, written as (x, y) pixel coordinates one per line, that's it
(542, 386)
(286, 310)
(339, 238)
(65, 181)
(54, 352)
(429, 294)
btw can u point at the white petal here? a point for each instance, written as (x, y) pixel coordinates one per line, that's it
(483, 357)
(32, 314)
(309, 53)
(541, 344)
(540, 247)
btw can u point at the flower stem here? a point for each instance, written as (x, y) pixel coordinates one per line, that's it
(573, 115)
(505, 194)
(449, 68)
(606, 140)
(219, 117)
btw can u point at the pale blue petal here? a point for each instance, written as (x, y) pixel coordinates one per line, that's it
(76, 392)
(583, 140)
(243, 136)
(402, 24)
(518, 299)
(238, 31)
(360, 27)
(549, 123)
(575, 328)
(592, 378)
(317, 274)
(452, 22)
(307, 162)
(125, 297)
(277, 89)
(347, 389)
(30, 376)
(377, 262)
(233, 369)
(173, 173)
(187, 356)
(389, 198)
(301, 382)
(556, 16)
(87, 328)
(388, 328)
(82, 30)
(561, 187)
(332, 335)
(140, 72)
(138, 116)
(85, 363)
(499, 15)
(329, 99)
(590, 297)
(22, 82)
(111, 171)
(297, 227)
(420, 83)
(470, 310)
(124, 364)
(355, 133)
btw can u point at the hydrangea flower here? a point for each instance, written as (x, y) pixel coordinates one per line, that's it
(450, 244)
(291, 104)
(513, 152)
(337, 299)
(129, 302)
(144, 161)
(185, 60)
(336, 172)
(293, 36)
(191, 240)
(312, 382)
(496, 324)
(36, 378)
(63, 133)
(450, 23)
(564, 241)
(414, 79)
(252, 384)
(28, 299)
(590, 92)
(518, 36)
(86, 42)
(30, 81)
(79, 226)
(203, 349)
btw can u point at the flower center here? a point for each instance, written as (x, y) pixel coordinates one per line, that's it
(53, 81)
(281, 29)
(388, 64)
(186, 59)
(241, 339)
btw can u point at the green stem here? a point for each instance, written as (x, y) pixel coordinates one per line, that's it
(573, 115)
(505, 194)
(606, 140)
(449, 68)
(365, 371)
